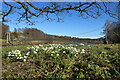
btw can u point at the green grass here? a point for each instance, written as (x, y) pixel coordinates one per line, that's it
(98, 61)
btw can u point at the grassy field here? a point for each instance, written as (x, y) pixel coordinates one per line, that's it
(61, 61)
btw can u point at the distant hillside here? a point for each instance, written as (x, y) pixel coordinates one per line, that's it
(30, 34)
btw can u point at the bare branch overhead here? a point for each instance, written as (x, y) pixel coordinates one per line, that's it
(88, 9)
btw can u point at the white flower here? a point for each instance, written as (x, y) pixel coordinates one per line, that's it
(20, 57)
(28, 47)
(32, 47)
(25, 56)
(75, 55)
(45, 49)
(36, 49)
(35, 52)
(17, 51)
(12, 55)
(57, 54)
(83, 51)
(28, 53)
(36, 46)
(40, 45)
(63, 51)
(9, 53)
(51, 54)
(12, 51)
(24, 60)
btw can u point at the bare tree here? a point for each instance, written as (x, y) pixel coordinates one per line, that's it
(112, 32)
(106, 30)
(29, 10)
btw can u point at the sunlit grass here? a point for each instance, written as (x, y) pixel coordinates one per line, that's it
(61, 61)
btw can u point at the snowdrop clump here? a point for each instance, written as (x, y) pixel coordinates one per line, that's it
(16, 54)
(49, 49)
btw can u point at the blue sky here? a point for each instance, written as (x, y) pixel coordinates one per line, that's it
(73, 25)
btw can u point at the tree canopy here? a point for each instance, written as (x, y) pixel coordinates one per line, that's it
(27, 10)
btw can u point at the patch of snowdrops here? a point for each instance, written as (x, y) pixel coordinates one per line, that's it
(49, 49)
(16, 54)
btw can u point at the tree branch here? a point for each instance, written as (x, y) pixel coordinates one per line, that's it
(11, 7)
(83, 8)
